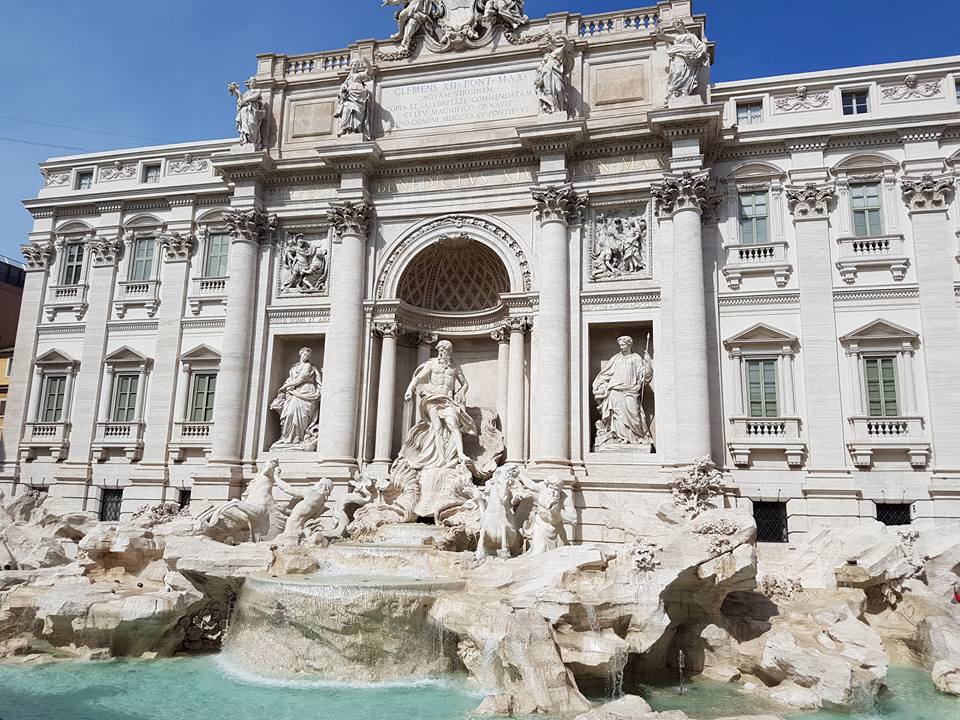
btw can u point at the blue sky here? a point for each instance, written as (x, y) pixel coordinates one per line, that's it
(157, 69)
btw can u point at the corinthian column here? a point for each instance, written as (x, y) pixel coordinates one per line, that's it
(341, 358)
(515, 392)
(248, 228)
(681, 200)
(558, 206)
(386, 392)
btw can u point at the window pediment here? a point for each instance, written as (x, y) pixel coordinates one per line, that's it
(201, 353)
(55, 358)
(761, 338)
(865, 166)
(126, 355)
(878, 335)
(755, 173)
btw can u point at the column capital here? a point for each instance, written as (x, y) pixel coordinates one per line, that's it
(927, 193)
(811, 201)
(426, 338)
(38, 255)
(517, 324)
(177, 247)
(252, 225)
(104, 251)
(387, 329)
(689, 190)
(559, 203)
(350, 217)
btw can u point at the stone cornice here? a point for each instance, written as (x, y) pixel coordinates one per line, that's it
(552, 138)
(236, 166)
(351, 156)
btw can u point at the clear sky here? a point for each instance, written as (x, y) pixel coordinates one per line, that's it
(144, 72)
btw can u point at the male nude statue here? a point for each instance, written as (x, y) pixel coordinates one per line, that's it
(442, 407)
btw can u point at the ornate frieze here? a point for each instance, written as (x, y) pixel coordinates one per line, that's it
(188, 165)
(687, 191)
(304, 266)
(177, 247)
(927, 193)
(910, 89)
(104, 251)
(37, 255)
(118, 171)
(619, 244)
(810, 201)
(250, 225)
(55, 179)
(802, 99)
(559, 203)
(350, 218)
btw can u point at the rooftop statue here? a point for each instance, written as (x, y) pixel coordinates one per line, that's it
(551, 81)
(510, 12)
(353, 102)
(688, 54)
(414, 16)
(251, 112)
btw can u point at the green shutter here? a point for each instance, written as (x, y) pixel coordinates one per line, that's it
(762, 388)
(53, 398)
(125, 398)
(204, 393)
(881, 376)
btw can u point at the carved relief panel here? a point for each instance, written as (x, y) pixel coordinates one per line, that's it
(304, 263)
(619, 246)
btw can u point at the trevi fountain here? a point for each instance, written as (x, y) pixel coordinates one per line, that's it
(438, 487)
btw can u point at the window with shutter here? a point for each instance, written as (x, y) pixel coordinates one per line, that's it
(204, 392)
(125, 397)
(881, 377)
(762, 388)
(218, 255)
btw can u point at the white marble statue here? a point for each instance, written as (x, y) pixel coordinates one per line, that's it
(545, 527)
(298, 402)
(304, 266)
(618, 390)
(551, 80)
(437, 440)
(251, 113)
(353, 102)
(509, 12)
(618, 245)
(688, 54)
(304, 518)
(499, 534)
(415, 15)
(246, 519)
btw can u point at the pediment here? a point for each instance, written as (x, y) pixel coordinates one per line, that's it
(756, 172)
(55, 357)
(125, 355)
(865, 162)
(760, 335)
(880, 331)
(200, 352)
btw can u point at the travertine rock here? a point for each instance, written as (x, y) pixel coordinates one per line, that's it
(128, 546)
(946, 677)
(626, 708)
(208, 557)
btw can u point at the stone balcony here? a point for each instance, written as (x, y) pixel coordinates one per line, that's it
(123, 437)
(66, 298)
(207, 291)
(885, 252)
(762, 259)
(905, 434)
(750, 434)
(187, 436)
(136, 293)
(51, 436)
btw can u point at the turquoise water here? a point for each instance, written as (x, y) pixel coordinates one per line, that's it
(910, 696)
(201, 687)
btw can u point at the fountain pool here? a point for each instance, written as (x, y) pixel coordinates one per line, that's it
(206, 687)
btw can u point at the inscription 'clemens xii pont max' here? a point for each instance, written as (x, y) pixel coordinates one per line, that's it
(464, 100)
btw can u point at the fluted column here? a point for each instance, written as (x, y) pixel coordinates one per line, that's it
(343, 346)
(557, 206)
(516, 390)
(386, 392)
(928, 198)
(681, 200)
(248, 228)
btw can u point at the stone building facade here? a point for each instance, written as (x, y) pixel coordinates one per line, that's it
(784, 250)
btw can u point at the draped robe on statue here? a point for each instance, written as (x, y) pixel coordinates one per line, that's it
(427, 446)
(617, 387)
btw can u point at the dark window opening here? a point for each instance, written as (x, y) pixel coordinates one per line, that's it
(110, 503)
(771, 519)
(894, 513)
(183, 498)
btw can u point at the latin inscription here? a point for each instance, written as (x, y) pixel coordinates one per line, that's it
(453, 181)
(464, 100)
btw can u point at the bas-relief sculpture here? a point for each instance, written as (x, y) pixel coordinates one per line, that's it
(353, 102)
(619, 390)
(552, 79)
(251, 113)
(298, 403)
(304, 266)
(688, 55)
(618, 245)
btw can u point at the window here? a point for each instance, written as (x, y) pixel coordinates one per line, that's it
(151, 173)
(865, 201)
(85, 180)
(72, 264)
(855, 102)
(753, 217)
(141, 266)
(125, 397)
(894, 513)
(956, 88)
(54, 387)
(762, 388)
(749, 113)
(183, 497)
(218, 255)
(204, 390)
(881, 377)
(110, 503)
(3, 403)
(771, 519)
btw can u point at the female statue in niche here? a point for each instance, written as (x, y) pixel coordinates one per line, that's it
(618, 390)
(353, 102)
(298, 402)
